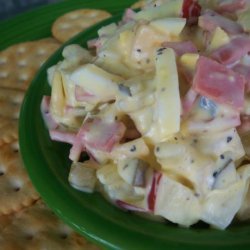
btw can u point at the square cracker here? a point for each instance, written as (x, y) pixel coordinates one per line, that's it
(73, 22)
(10, 102)
(37, 227)
(11, 95)
(16, 188)
(10, 110)
(8, 130)
(5, 220)
(139, 4)
(19, 63)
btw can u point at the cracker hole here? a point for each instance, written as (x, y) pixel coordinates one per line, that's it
(22, 63)
(3, 74)
(23, 77)
(16, 189)
(29, 237)
(41, 52)
(16, 185)
(15, 147)
(3, 60)
(65, 26)
(64, 236)
(74, 16)
(92, 14)
(21, 50)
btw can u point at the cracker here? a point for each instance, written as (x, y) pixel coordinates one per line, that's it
(139, 4)
(10, 110)
(71, 23)
(19, 63)
(48, 40)
(11, 95)
(5, 220)
(16, 188)
(8, 130)
(10, 102)
(36, 227)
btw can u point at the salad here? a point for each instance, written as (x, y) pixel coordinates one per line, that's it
(160, 104)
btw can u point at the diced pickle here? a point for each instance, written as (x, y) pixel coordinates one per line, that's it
(82, 176)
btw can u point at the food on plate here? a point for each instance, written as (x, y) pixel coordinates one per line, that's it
(73, 22)
(161, 109)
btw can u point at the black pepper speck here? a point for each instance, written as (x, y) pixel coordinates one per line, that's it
(215, 174)
(161, 49)
(125, 166)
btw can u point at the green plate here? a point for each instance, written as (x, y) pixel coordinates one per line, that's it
(48, 165)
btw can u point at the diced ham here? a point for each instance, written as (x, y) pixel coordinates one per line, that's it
(210, 20)
(244, 70)
(97, 134)
(128, 16)
(181, 48)
(232, 52)
(231, 6)
(153, 191)
(188, 101)
(45, 103)
(191, 10)
(77, 146)
(62, 136)
(219, 83)
(81, 95)
(47, 117)
(103, 135)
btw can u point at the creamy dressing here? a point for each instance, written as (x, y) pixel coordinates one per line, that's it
(160, 140)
